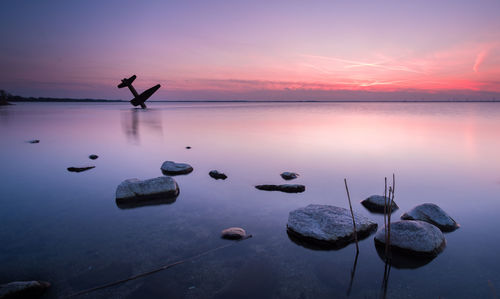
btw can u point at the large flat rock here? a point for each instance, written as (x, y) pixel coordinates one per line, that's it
(414, 237)
(288, 188)
(135, 189)
(328, 226)
(432, 214)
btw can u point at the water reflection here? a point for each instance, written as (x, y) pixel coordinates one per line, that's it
(353, 272)
(402, 260)
(143, 202)
(315, 244)
(132, 120)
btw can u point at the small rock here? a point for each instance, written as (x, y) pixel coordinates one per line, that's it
(79, 169)
(433, 214)
(188, 147)
(93, 157)
(34, 141)
(233, 233)
(288, 188)
(217, 175)
(414, 237)
(289, 175)
(328, 226)
(375, 204)
(135, 189)
(23, 289)
(172, 168)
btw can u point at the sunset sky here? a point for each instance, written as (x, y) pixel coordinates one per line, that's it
(252, 49)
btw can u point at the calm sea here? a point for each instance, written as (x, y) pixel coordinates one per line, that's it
(66, 228)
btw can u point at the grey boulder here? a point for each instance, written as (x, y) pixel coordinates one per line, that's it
(289, 175)
(23, 289)
(233, 233)
(217, 175)
(327, 226)
(415, 237)
(375, 204)
(173, 168)
(133, 189)
(432, 214)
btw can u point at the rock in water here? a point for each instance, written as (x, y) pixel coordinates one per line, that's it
(289, 175)
(217, 175)
(23, 289)
(172, 168)
(414, 237)
(233, 233)
(433, 214)
(34, 141)
(93, 157)
(328, 226)
(135, 189)
(79, 169)
(375, 204)
(288, 188)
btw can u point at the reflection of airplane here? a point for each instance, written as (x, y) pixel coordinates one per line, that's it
(138, 99)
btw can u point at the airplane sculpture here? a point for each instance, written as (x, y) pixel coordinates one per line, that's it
(138, 99)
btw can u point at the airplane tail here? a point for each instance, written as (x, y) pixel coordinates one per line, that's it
(127, 82)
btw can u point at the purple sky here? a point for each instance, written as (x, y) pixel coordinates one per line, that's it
(298, 50)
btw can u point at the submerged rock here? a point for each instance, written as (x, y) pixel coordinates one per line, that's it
(34, 141)
(288, 188)
(289, 175)
(23, 289)
(327, 226)
(414, 237)
(80, 169)
(432, 214)
(233, 233)
(136, 190)
(172, 168)
(375, 204)
(93, 157)
(217, 175)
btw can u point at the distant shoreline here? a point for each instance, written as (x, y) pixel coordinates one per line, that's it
(63, 100)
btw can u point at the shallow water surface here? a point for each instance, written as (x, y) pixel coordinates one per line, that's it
(66, 228)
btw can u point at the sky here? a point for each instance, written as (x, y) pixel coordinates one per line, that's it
(252, 50)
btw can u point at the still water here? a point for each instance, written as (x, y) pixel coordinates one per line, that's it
(66, 228)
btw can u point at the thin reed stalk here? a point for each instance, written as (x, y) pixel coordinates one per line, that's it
(352, 215)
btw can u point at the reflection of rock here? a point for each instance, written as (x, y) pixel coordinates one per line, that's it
(23, 289)
(144, 201)
(172, 168)
(136, 191)
(217, 175)
(93, 157)
(288, 188)
(233, 233)
(402, 260)
(375, 204)
(433, 214)
(326, 227)
(289, 175)
(80, 169)
(414, 237)
(34, 141)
